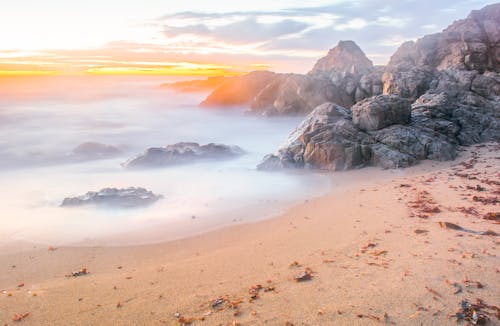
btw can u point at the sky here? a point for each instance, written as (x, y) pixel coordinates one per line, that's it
(201, 37)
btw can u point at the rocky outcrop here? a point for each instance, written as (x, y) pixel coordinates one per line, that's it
(440, 92)
(290, 94)
(344, 76)
(240, 90)
(381, 111)
(471, 44)
(93, 151)
(114, 197)
(348, 69)
(329, 139)
(346, 57)
(182, 153)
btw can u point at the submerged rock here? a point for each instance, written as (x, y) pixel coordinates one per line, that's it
(183, 152)
(114, 197)
(93, 151)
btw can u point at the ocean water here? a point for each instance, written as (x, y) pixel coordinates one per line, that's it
(42, 119)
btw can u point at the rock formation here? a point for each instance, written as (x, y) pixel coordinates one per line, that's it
(93, 151)
(452, 80)
(344, 76)
(114, 197)
(180, 153)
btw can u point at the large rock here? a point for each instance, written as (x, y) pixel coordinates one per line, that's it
(240, 90)
(348, 68)
(329, 139)
(346, 57)
(183, 152)
(381, 111)
(471, 44)
(114, 197)
(453, 80)
(326, 139)
(290, 94)
(93, 151)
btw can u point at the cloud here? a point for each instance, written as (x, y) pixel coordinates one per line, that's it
(249, 30)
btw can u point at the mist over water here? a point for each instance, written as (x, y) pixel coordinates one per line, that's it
(43, 119)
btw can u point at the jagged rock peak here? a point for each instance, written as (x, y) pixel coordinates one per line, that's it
(346, 57)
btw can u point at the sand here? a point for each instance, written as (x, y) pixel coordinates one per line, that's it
(376, 255)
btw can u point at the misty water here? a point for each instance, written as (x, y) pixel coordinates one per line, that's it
(43, 119)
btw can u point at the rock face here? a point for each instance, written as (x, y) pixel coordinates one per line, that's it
(291, 94)
(471, 44)
(381, 111)
(114, 197)
(240, 90)
(180, 153)
(344, 76)
(93, 151)
(440, 92)
(329, 139)
(346, 57)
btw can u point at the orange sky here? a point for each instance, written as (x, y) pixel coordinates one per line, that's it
(206, 38)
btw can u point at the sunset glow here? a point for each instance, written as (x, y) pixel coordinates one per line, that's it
(197, 38)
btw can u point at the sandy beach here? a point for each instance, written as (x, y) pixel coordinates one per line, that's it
(376, 255)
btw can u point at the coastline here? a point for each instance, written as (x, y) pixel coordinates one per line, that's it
(361, 245)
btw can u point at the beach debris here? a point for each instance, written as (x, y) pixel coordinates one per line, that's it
(218, 302)
(420, 231)
(377, 253)
(306, 275)
(436, 293)
(468, 210)
(20, 285)
(295, 264)
(486, 200)
(372, 317)
(492, 216)
(470, 312)
(51, 248)
(456, 227)
(78, 273)
(119, 305)
(456, 285)
(20, 317)
(367, 246)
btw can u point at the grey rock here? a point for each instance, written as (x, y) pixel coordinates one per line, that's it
(290, 94)
(182, 153)
(114, 197)
(381, 111)
(93, 151)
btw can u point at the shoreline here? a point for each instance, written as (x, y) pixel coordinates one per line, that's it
(361, 245)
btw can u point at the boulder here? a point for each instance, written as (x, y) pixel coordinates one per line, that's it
(181, 153)
(114, 197)
(381, 111)
(290, 94)
(326, 139)
(93, 151)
